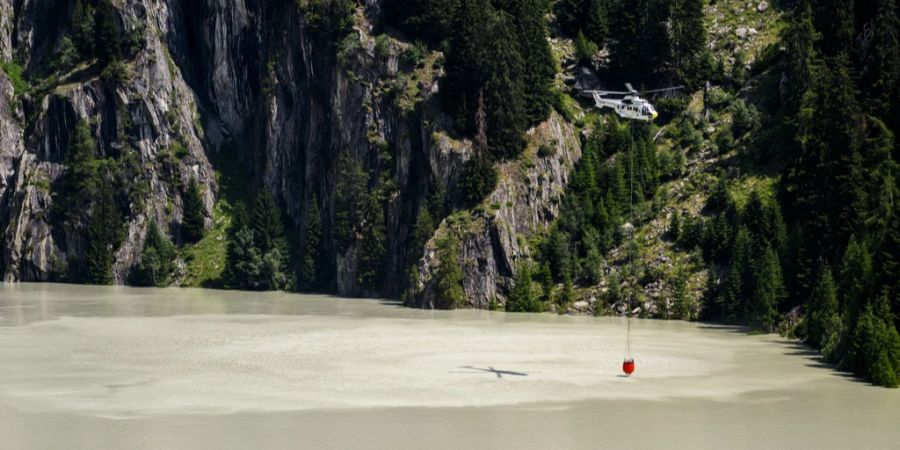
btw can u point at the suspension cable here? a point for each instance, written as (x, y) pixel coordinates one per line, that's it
(631, 241)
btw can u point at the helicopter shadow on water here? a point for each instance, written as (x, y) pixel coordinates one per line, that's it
(499, 372)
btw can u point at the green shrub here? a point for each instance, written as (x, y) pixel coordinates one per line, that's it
(479, 180)
(545, 151)
(745, 119)
(16, 73)
(414, 55)
(585, 49)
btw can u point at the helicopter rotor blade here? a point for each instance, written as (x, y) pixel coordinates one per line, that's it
(588, 93)
(675, 88)
(629, 87)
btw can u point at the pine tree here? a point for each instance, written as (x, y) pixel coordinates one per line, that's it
(596, 21)
(881, 71)
(83, 27)
(269, 255)
(350, 201)
(680, 295)
(585, 50)
(372, 252)
(874, 349)
(567, 297)
(801, 38)
(193, 223)
(449, 275)
(889, 264)
(538, 67)
(308, 275)
(466, 61)
(822, 306)
(736, 286)
(855, 278)
(479, 180)
(522, 298)
(108, 42)
(422, 233)
(102, 237)
(826, 179)
(641, 39)
(428, 19)
(569, 14)
(504, 91)
(769, 290)
(882, 171)
(688, 38)
(835, 18)
(267, 225)
(243, 263)
(157, 258)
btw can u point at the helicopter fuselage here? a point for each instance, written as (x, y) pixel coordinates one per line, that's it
(630, 107)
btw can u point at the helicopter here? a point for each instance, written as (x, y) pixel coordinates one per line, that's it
(631, 105)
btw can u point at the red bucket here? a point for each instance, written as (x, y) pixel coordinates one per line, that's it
(628, 366)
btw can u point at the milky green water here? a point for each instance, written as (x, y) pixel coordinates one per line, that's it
(113, 368)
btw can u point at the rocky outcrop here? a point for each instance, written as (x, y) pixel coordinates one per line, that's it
(291, 98)
(493, 239)
(140, 114)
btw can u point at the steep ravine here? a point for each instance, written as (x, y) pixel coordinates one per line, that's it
(258, 77)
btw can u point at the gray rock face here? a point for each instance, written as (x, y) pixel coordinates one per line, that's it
(153, 102)
(257, 77)
(493, 239)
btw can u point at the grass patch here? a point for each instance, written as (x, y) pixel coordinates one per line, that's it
(205, 260)
(16, 75)
(741, 189)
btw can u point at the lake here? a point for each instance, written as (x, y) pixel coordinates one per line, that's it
(114, 367)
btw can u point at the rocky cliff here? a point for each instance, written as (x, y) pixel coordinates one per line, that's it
(275, 82)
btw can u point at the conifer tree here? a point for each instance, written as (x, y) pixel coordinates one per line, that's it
(449, 275)
(466, 61)
(827, 177)
(504, 91)
(855, 278)
(268, 227)
(102, 237)
(820, 309)
(569, 14)
(308, 275)
(882, 171)
(108, 42)
(243, 260)
(270, 255)
(538, 67)
(157, 258)
(428, 19)
(596, 21)
(736, 286)
(193, 223)
(83, 27)
(422, 233)
(640, 42)
(889, 264)
(372, 253)
(688, 38)
(801, 38)
(522, 298)
(768, 290)
(835, 18)
(350, 201)
(881, 72)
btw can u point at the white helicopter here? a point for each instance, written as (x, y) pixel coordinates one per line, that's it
(631, 105)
